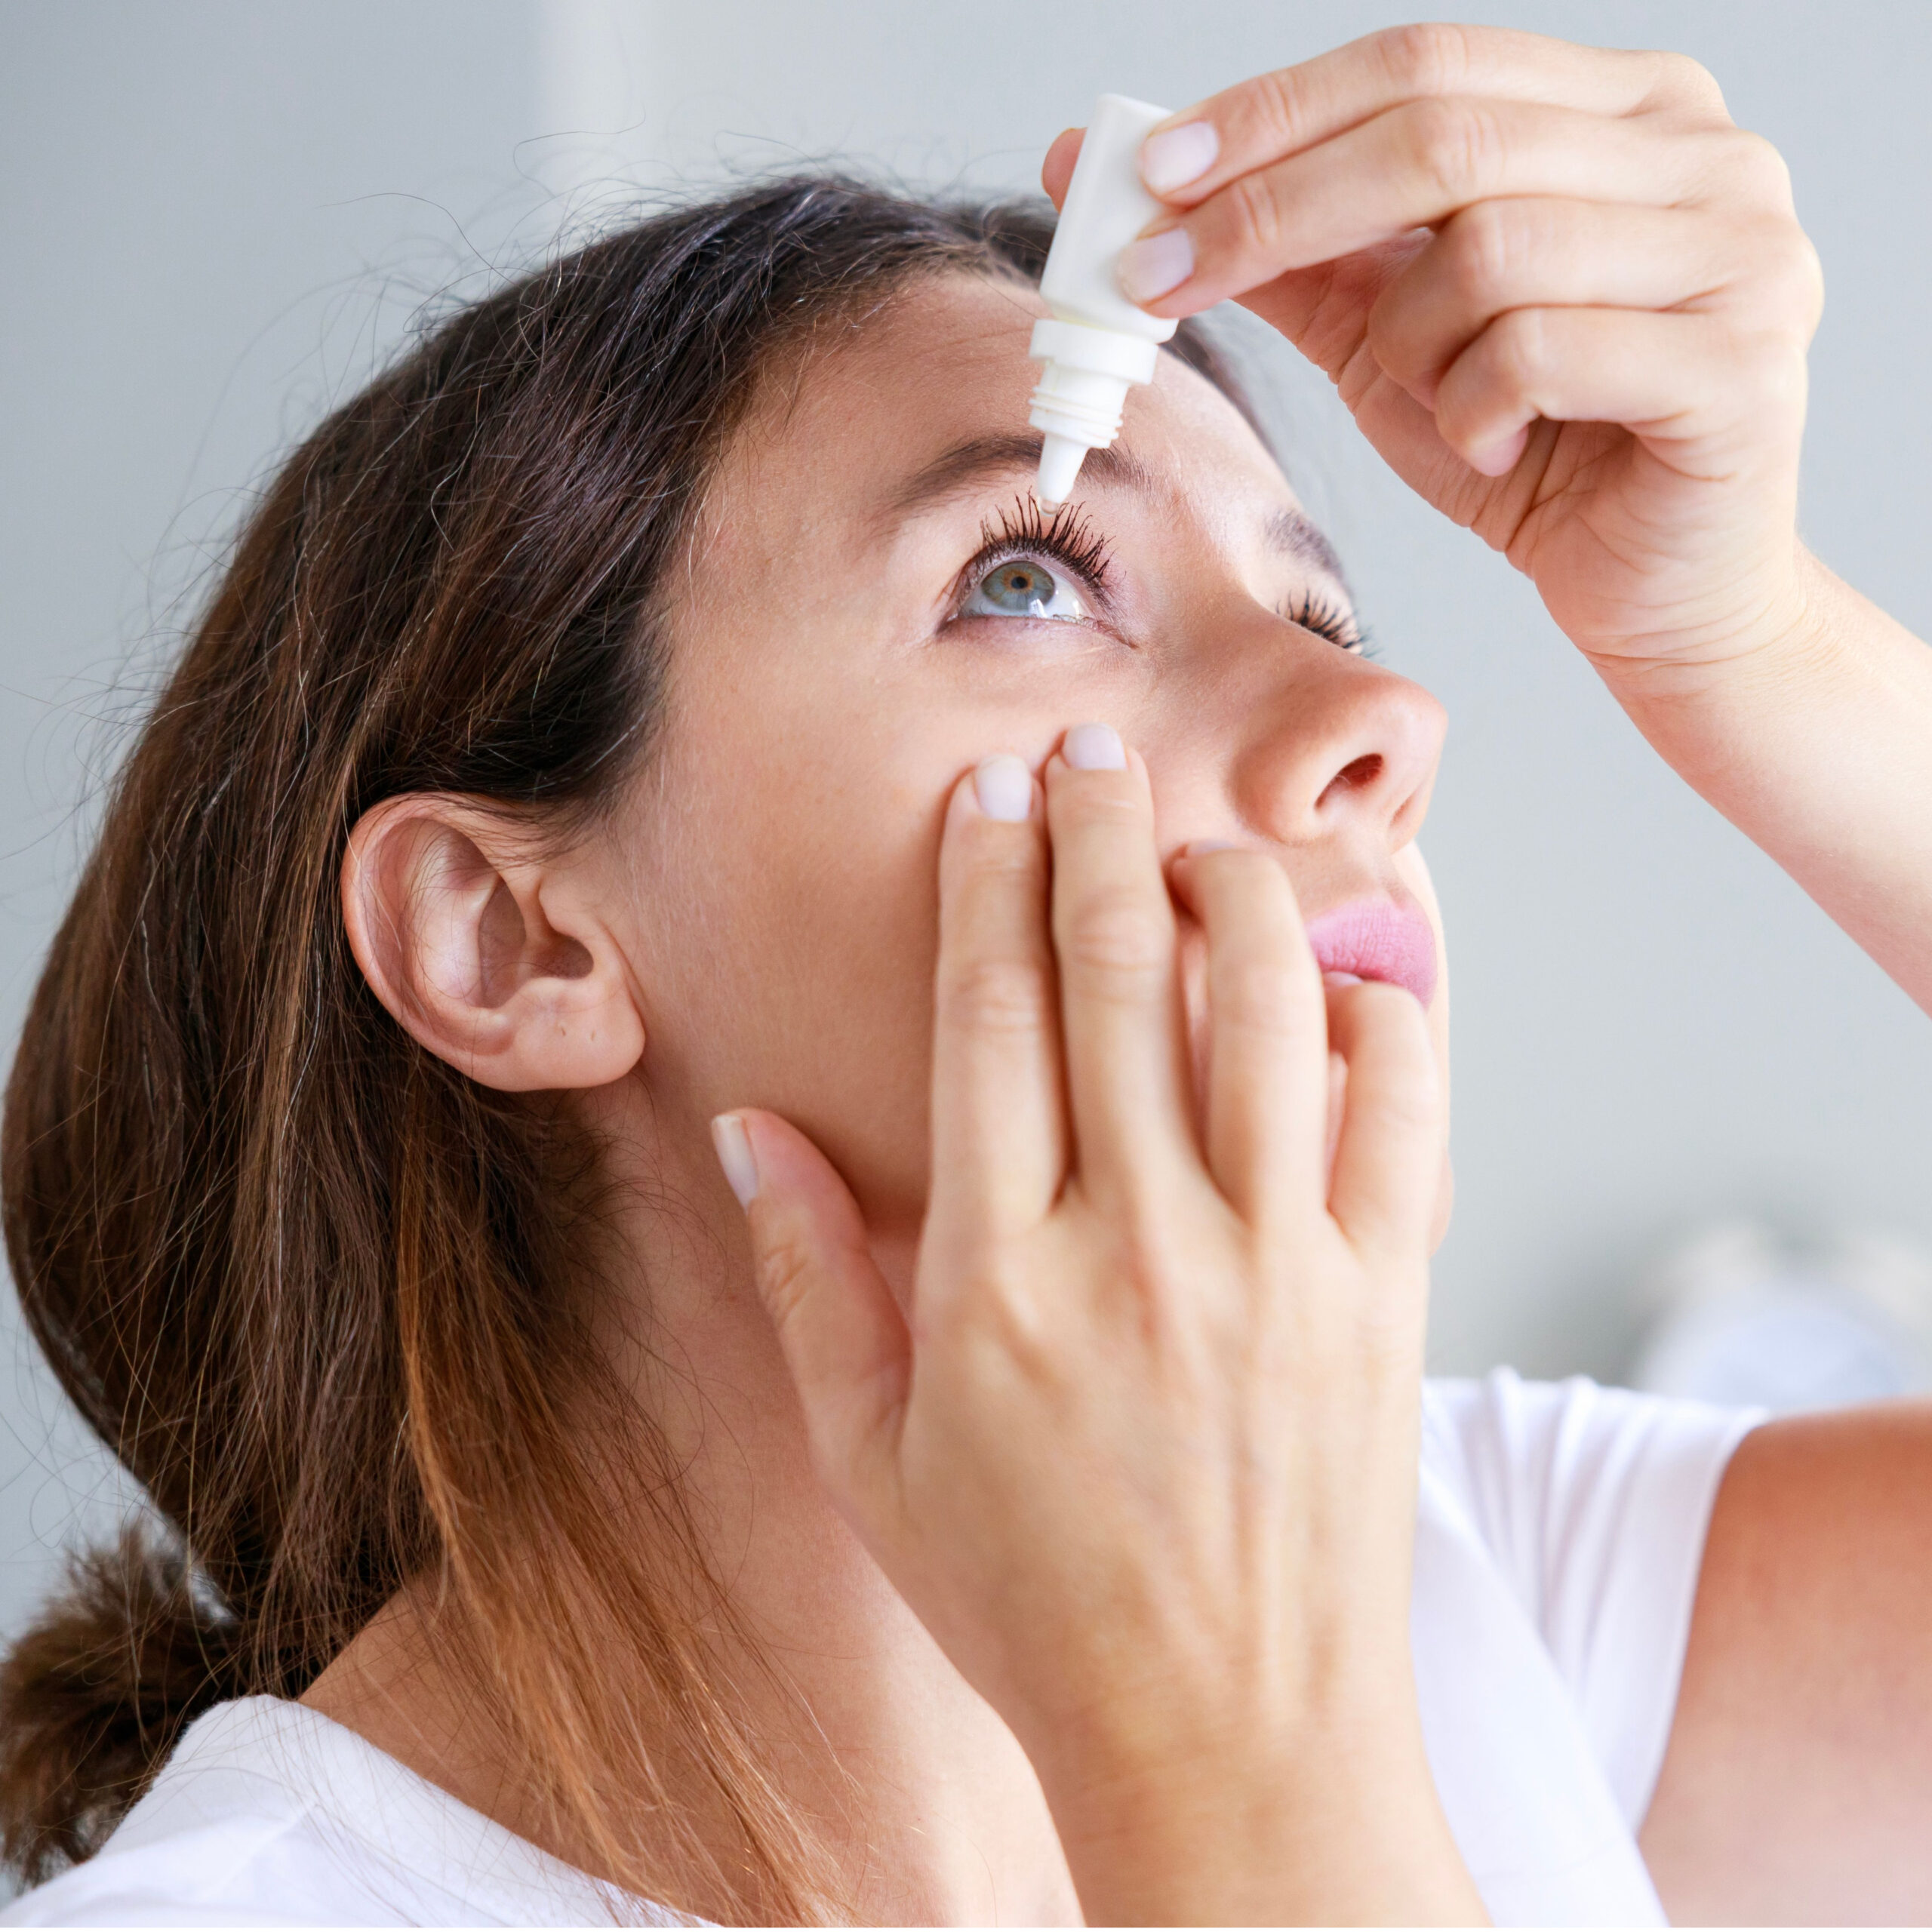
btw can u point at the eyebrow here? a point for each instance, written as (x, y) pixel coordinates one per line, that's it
(968, 465)
(1295, 534)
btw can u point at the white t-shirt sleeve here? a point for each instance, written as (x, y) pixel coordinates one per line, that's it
(1594, 1503)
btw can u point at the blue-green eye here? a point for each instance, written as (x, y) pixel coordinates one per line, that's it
(1022, 587)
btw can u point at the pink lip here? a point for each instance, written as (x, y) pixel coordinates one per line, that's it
(1377, 939)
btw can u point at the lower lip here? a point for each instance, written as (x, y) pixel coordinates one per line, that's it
(1376, 940)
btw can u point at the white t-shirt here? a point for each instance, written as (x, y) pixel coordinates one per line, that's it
(1559, 1535)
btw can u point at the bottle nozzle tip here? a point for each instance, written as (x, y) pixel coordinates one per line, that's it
(1060, 459)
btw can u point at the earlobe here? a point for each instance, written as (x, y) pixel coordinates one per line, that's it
(496, 961)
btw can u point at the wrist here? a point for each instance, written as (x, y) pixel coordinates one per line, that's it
(1699, 709)
(1330, 1822)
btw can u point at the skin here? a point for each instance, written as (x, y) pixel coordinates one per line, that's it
(1569, 302)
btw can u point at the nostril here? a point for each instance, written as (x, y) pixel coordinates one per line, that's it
(1356, 776)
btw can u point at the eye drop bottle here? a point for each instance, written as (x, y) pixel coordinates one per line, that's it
(1097, 343)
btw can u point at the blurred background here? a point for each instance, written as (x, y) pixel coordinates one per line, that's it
(219, 217)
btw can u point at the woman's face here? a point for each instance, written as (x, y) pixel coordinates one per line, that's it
(871, 604)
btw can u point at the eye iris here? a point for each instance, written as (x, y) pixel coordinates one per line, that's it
(1018, 586)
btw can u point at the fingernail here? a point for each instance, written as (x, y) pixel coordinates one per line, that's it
(1094, 748)
(1155, 264)
(1177, 156)
(1341, 979)
(1003, 787)
(735, 1156)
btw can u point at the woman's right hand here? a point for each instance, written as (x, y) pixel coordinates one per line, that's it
(1141, 1452)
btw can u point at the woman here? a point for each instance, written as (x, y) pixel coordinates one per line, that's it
(611, 729)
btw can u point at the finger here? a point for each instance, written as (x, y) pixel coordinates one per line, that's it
(1412, 167)
(839, 1328)
(1534, 252)
(1388, 1155)
(1056, 171)
(1675, 380)
(1275, 114)
(999, 1137)
(1267, 1034)
(1113, 928)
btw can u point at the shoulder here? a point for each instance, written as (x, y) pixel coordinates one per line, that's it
(241, 1871)
(1540, 1467)
(269, 1814)
(232, 1833)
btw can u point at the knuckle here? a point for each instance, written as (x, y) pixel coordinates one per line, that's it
(1114, 936)
(1255, 994)
(998, 1311)
(1254, 213)
(1518, 347)
(1452, 147)
(786, 1267)
(1143, 1262)
(1426, 57)
(1786, 265)
(995, 996)
(1679, 81)
(1408, 1107)
(1480, 244)
(1276, 103)
(1753, 168)
(995, 865)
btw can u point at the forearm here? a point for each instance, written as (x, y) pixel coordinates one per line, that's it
(1817, 745)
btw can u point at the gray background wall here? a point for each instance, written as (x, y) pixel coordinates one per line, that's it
(215, 215)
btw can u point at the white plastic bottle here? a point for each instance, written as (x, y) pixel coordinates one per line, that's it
(1098, 342)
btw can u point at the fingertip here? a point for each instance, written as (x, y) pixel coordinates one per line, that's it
(1056, 170)
(1177, 154)
(737, 1156)
(1362, 1010)
(1096, 747)
(1499, 456)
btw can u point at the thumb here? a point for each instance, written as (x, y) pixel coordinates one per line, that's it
(840, 1329)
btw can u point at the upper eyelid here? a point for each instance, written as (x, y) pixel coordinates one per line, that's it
(1006, 543)
(1321, 588)
(1000, 553)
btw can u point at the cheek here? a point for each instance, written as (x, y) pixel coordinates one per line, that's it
(784, 934)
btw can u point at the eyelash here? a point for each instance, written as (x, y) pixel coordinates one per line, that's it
(1331, 620)
(1068, 536)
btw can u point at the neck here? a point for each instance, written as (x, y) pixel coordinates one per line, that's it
(923, 1800)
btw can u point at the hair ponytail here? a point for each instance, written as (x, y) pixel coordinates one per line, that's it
(94, 1696)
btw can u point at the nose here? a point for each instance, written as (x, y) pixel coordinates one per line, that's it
(1344, 749)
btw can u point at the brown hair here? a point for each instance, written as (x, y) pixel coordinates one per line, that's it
(308, 1284)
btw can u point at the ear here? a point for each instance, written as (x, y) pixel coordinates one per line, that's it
(496, 961)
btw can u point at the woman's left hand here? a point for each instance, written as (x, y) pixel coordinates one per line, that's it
(1566, 298)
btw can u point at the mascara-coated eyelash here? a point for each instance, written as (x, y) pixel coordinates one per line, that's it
(1325, 618)
(1067, 535)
